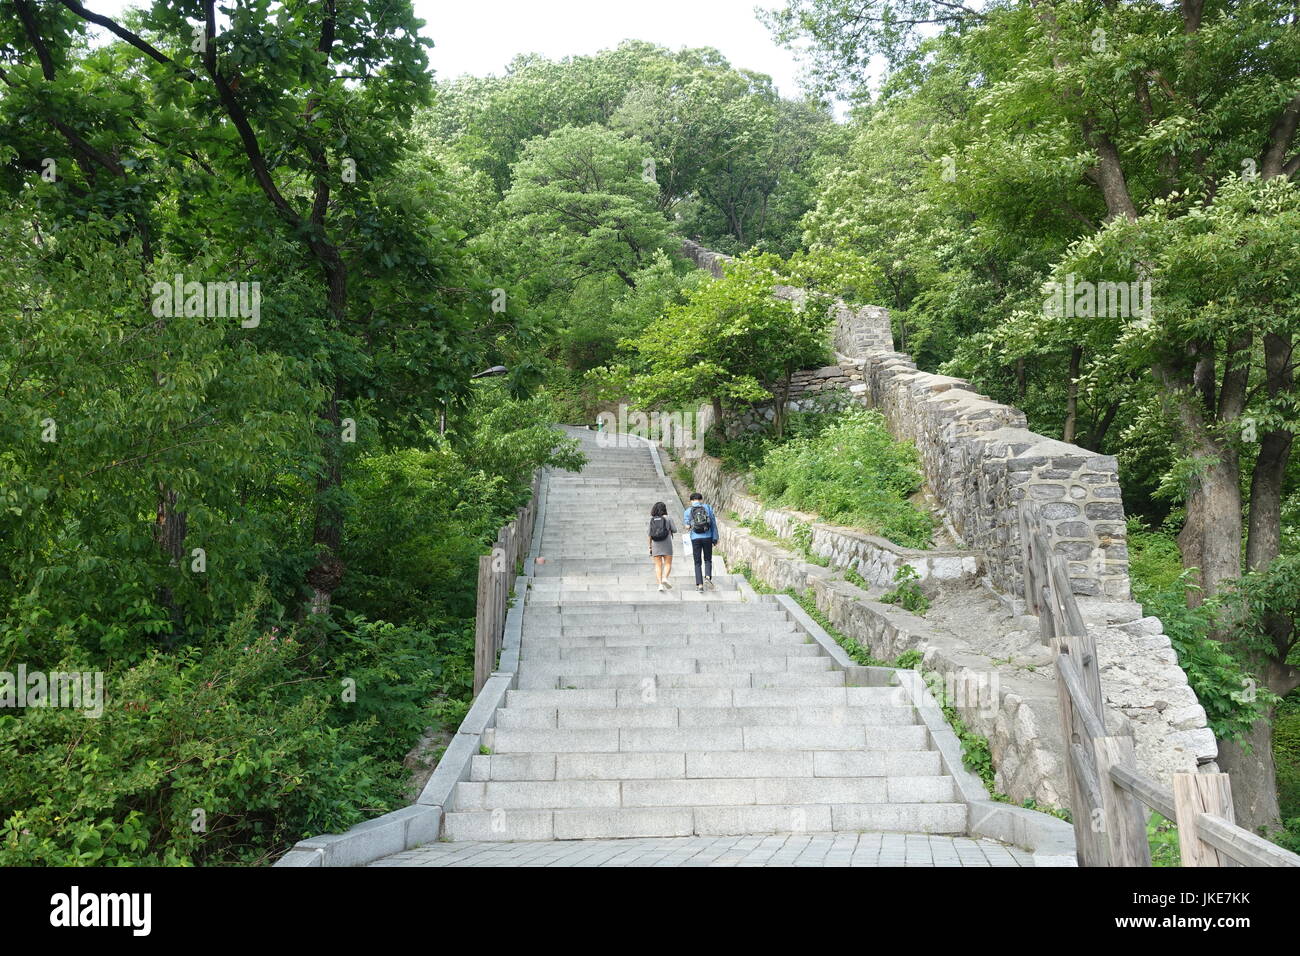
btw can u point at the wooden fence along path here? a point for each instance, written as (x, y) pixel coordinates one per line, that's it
(1108, 796)
(497, 571)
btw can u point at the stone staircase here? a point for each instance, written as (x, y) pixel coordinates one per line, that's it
(648, 714)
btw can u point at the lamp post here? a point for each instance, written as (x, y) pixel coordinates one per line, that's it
(486, 373)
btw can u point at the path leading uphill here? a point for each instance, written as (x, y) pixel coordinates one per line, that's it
(686, 728)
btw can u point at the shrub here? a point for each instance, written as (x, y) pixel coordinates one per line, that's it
(229, 736)
(853, 473)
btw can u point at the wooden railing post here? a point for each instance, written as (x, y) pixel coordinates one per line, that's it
(1123, 814)
(483, 637)
(1108, 797)
(1194, 794)
(1091, 845)
(496, 574)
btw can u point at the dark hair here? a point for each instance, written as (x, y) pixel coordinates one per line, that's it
(659, 509)
(696, 496)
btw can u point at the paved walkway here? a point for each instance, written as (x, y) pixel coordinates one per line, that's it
(782, 849)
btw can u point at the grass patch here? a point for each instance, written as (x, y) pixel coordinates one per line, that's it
(801, 540)
(852, 473)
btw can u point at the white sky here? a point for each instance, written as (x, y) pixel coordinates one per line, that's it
(481, 36)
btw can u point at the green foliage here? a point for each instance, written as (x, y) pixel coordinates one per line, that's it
(732, 341)
(747, 451)
(1286, 752)
(1232, 698)
(686, 474)
(906, 592)
(224, 729)
(853, 473)
(853, 577)
(732, 161)
(909, 659)
(580, 194)
(1162, 838)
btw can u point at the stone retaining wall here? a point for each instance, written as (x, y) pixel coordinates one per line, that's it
(876, 559)
(1000, 680)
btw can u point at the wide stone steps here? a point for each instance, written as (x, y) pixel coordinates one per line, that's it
(627, 822)
(643, 668)
(764, 737)
(640, 713)
(603, 596)
(633, 564)
(705, 650)
(707, 697)
(697, 764)
(735, 679)
(809, 715)
(700, 792)
(577, 637)
(640, 581)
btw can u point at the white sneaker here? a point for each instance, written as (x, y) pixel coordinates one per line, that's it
(662, 588)
(668, 585)
(700, 588)
(708, 582)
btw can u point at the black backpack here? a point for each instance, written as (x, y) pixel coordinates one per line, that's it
(700, 521)
(658, 528)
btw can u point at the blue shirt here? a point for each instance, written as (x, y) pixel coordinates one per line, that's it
(713, 522)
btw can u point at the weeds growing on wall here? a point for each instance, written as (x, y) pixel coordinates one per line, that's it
(906, 592)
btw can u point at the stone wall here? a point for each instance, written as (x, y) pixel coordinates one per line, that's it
(998, 676)
(980, 462)
(817, 389)
(705, 258)
(980, 459)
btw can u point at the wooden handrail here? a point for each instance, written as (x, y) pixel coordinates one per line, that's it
(1242, 845)
(1158, 798)
(496, 573)
(1068, 672)
(1104, 780)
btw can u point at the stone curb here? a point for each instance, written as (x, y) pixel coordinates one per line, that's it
(1050, 840)
(539, 520)
(829, 645)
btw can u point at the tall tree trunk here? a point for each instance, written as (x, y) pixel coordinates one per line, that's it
(327, 533)
(779, 408)
(170, 525)
(1264, 540)
(718, 421)
(1254, 777)
(1072, 396)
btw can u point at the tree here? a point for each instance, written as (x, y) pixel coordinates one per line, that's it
(300, 104)
(582, 196)
(732, 342)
